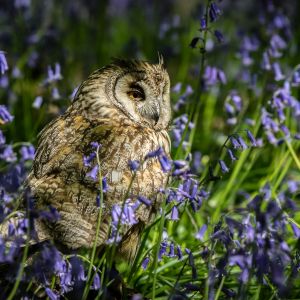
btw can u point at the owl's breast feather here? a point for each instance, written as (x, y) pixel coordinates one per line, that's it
(129, 145)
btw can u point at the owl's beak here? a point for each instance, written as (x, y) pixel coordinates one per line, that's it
(163, 110)
(156, 115)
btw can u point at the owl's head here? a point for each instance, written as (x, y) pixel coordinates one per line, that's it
(136, 90)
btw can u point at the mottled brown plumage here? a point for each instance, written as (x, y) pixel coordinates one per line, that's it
(126, 108)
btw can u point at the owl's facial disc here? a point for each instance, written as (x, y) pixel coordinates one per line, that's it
(148, 109)
(144, 100)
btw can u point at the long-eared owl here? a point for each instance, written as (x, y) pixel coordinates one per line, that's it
(125, 107)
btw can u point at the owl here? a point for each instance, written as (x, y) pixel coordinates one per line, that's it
(125, 108)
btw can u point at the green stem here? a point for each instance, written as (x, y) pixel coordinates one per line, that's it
(21, 269)
(154, 268)
(294, 155)
(220, 288)
(256, 297)
(88, 283)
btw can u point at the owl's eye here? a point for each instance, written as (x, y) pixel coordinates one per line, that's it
(136, 93)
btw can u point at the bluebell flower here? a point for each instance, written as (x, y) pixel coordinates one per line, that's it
(231, 154)
(171, 250)
(74, 92)
(54, 74)
(162, 249)
(137, 297)
(55, 93)
(277, 71)
(98, 200)
(245, 57)
(51, 215)
(145, 262)
(200, 234)
(266, 64)
(214, 12)
(266, 191)
(179, 252)
(133, 165)
(223, 166)
(51, 294)
(7, 154)
(2, 138)
(95, 145)
(87, 160)
(144, 200)
(174, 213)
(277, 42)
(250, 43)
(155, 153)
(229, 108)
(293, 186)
(296, 78)
(251, 138)
(222, 236)
(4, 83)
(165, 163)
(285, 130)
(114, 237)
(296, 230)
(177, 88)
(96, 282)
(191, 263)
(212, 76)
(196, 162)
(3, 63)
(125, 217)
(105, 186)
(27, 152)
(203, 24)
(16, 73)
(181, 123)
(221, 77)
(219, 36)
(242, 142)
(93, 173)
(180, 167)
(78, 273)
(5, 116)
(37, 103)
(183, 98)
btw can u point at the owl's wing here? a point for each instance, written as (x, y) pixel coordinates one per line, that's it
(63, 142)
(53, 148)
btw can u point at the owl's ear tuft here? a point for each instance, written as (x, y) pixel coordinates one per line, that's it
(161, 60)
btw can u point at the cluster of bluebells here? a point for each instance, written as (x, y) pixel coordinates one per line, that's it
(269, 47)
(212, 76)
(168, 249)
(182, 97)
(233, 106)
(236, 143)
(3, 63)
(70, 272)
(211, 15)
(91, 163)
(181, 128)
(255, 242)
(275, 116)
